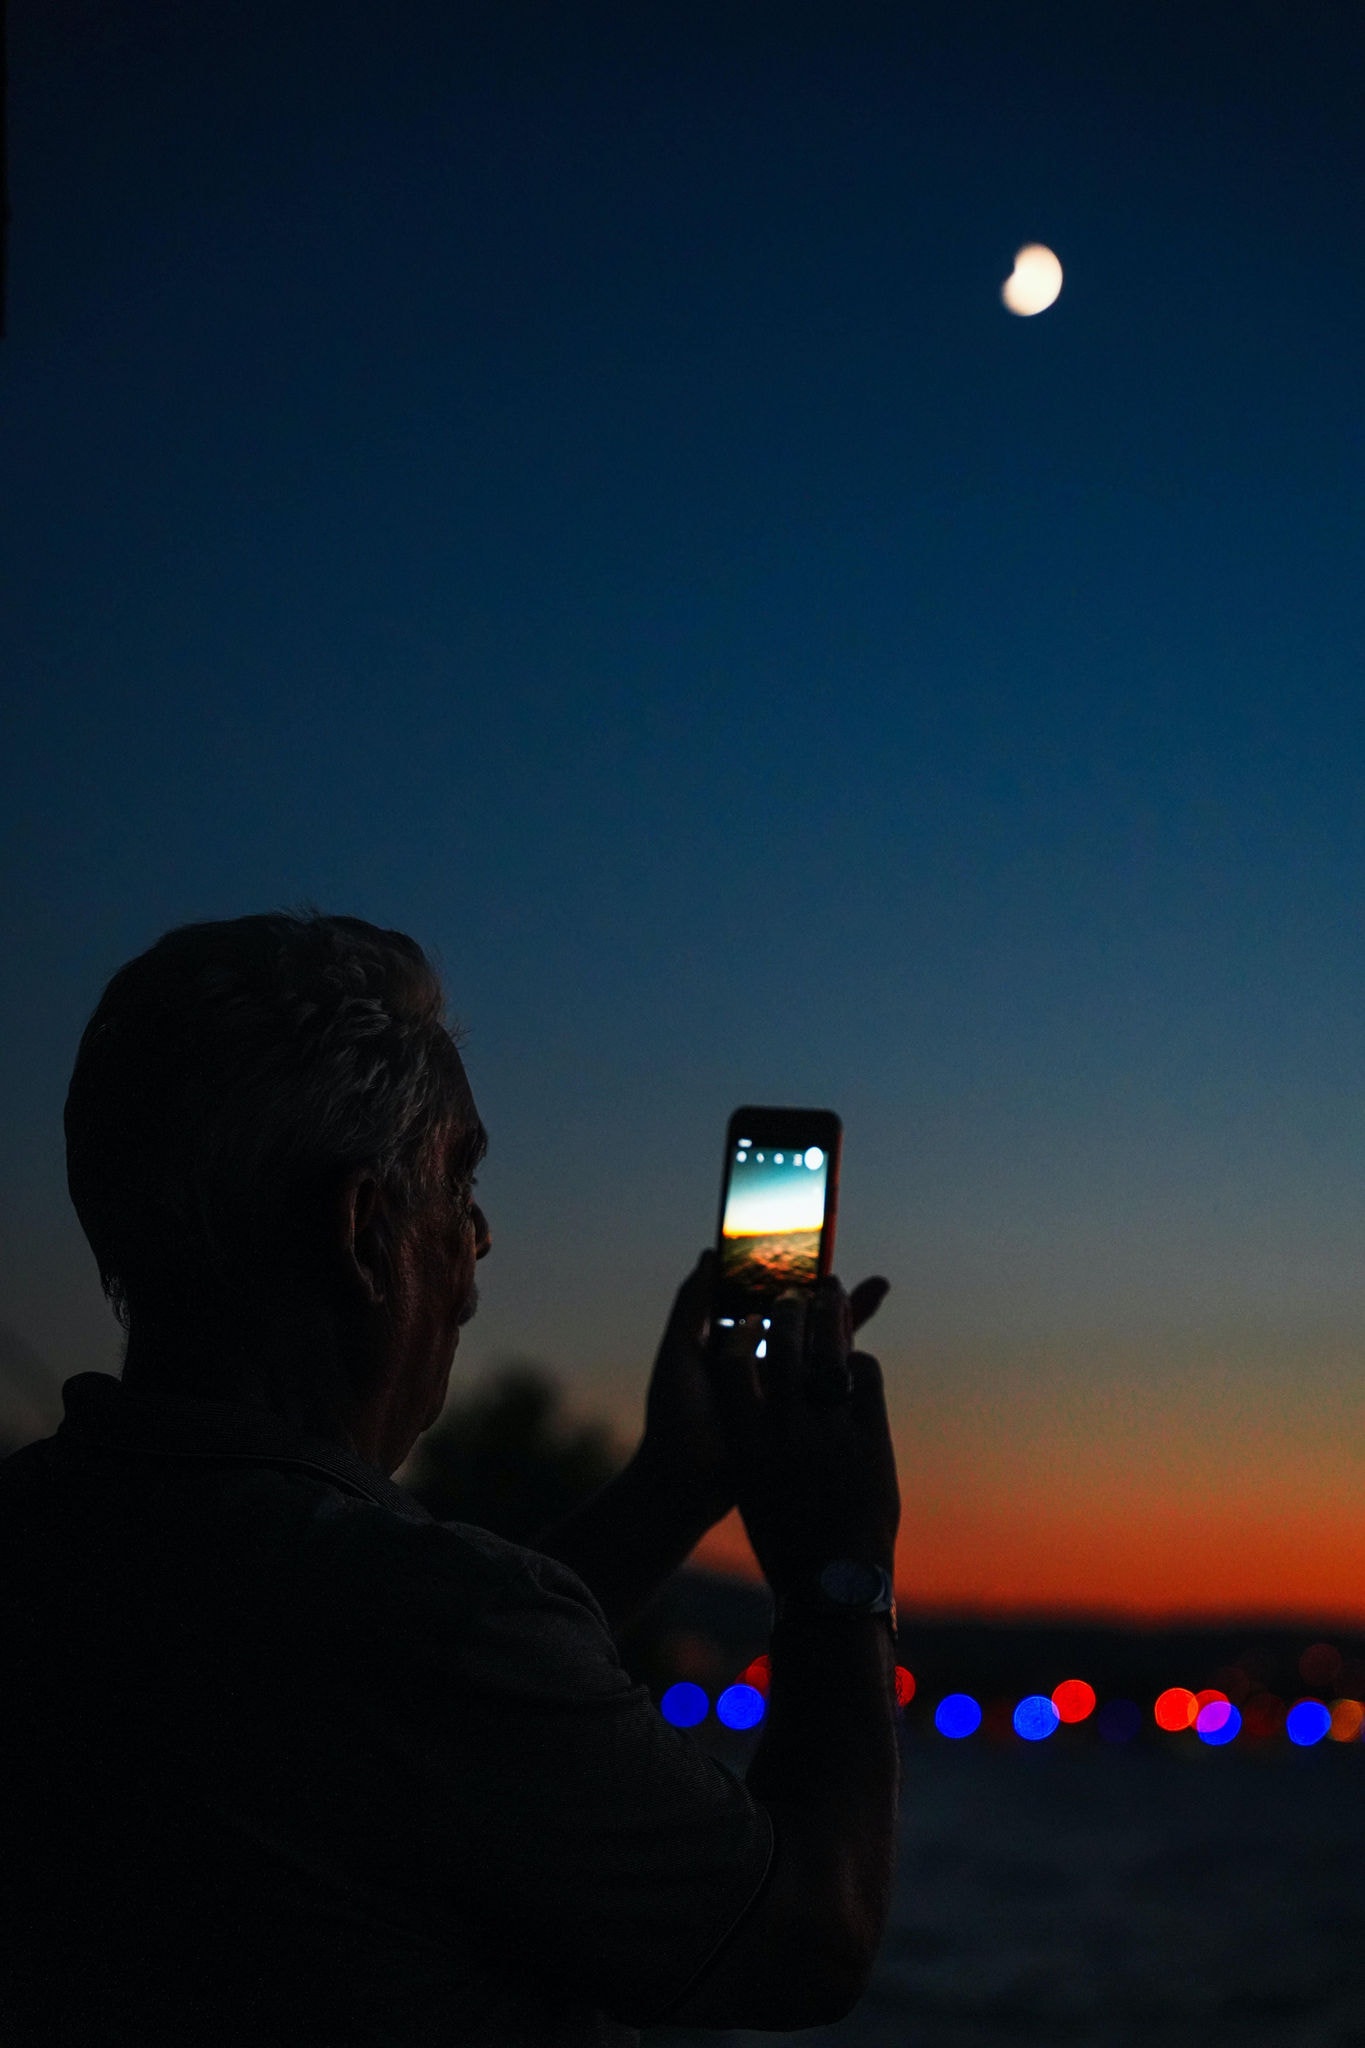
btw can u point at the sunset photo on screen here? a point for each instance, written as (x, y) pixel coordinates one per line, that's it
(773, 1216)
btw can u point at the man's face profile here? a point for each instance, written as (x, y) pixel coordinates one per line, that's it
(434, 1294)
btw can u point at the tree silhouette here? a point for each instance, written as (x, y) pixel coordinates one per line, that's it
(30, 1393)
(506, 1458)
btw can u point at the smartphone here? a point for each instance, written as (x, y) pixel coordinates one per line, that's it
(779, 1203)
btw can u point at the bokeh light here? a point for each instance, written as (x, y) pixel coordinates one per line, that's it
(1216, 1716)
(684, 1704)
(740, 1706)
(1119, 1720)
(957, 1715)
(1307, 1722)
(1348, 1718)
(758, 1674)
(1175, 1709)
(1218, 1722)
(1320, 1666)
(1263, 1716)
(1074, 1700)
(1035, 1718)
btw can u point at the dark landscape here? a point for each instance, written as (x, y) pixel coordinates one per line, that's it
(1186, 1898)
(1153, 1894)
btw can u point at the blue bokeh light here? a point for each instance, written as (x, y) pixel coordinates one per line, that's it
(1307, 1723)
(1035, 1718)
(684, 1704)
(1218, 1723)
(740, 1706)
(1119, 1720)
(957, 1715)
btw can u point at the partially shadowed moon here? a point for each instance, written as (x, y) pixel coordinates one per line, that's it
(1034, 282)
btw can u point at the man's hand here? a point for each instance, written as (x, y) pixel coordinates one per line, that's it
(686, 1441)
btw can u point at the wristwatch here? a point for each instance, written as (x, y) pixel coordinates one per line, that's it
(843, 1586)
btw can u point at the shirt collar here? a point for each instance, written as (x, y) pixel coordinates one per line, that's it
(102, 1416)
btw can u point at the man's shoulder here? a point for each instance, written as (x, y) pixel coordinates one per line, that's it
(473, 1612)
(459, 1564)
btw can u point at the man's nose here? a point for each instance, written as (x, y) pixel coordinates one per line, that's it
(483, 1236)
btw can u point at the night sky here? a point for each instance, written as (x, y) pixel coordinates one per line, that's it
(561, 481)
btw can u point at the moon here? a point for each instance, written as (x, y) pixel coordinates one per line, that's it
(1035, 281)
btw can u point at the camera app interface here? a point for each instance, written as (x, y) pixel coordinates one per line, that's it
(774, 1212)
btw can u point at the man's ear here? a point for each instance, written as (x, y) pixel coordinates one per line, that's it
(360, 1239)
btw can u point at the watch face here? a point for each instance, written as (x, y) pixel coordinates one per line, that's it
(847, 1580)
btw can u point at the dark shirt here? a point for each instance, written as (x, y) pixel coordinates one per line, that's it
(286, 1760)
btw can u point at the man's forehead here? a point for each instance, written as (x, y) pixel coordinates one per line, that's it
(468, 1140)
(461, 1092)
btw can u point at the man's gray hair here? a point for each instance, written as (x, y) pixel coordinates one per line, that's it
(230, 1078)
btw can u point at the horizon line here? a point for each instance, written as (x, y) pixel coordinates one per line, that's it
(1132, 1621)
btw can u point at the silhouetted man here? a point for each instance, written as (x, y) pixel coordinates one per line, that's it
(289, 1761)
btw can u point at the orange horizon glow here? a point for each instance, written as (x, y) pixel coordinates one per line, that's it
(1103, 1483)
(1124, 1579)
(782, 1230)
(1101, 1488)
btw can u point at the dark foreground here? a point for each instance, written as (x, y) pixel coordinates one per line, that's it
(1153, 1898)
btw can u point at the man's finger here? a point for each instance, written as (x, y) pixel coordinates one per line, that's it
(734, 1375)
(692, 1303)
(866, 1298)
(786, 1345)
(831, 1336)
(831, 1332)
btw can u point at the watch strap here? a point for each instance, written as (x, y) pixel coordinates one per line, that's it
(842, 1588)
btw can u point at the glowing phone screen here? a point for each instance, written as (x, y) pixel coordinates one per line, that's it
(774, 1213)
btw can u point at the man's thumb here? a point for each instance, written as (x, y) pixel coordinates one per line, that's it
(868, 1398)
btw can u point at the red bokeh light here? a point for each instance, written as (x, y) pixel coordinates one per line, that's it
(1175, 1709)
(1210, 1697)
(1074, 1700)
(1263, 1716)
(757, 1674)
(905, 1686)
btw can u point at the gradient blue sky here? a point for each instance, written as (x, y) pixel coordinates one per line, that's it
(561, 481)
